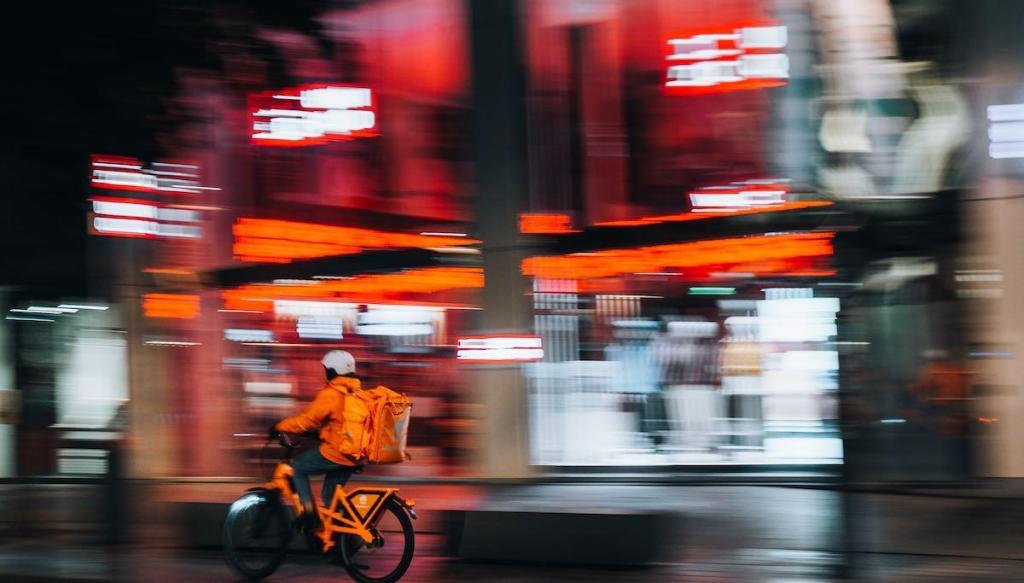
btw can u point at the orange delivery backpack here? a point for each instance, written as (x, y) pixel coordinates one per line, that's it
(387, 425)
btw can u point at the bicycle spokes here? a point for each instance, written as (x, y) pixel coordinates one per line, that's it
(390, 549)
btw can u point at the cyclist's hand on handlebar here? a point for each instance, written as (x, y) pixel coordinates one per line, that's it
(272, 432)
(285, 439)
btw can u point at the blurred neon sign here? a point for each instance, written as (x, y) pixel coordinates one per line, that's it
(371, 287)
(279, 241)
(1006, 134)
(727, 58)
(172, 306)
(545, 223)
(698, 214)
(117, 217)
(784, 254)
(320, 327)
(124, 173)
(312, 115)
(746, 195)
(510, 348)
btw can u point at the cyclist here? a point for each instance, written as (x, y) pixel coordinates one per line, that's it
(339, 420)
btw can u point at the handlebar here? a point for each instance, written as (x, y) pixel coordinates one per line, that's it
(287, 441)
(293, 441)
(290, 442)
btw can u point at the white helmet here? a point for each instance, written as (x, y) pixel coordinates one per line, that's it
(339, 360)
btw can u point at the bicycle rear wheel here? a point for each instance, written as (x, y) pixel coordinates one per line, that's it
(256, 535)
(387, 558)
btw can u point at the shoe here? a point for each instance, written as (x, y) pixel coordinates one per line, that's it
(308, 521)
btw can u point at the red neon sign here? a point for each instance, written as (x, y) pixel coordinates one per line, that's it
(312, 115)
(726, 58)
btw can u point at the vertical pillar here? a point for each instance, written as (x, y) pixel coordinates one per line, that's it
(9, 398)
(499, 147)
(992, 215)
(150, 373)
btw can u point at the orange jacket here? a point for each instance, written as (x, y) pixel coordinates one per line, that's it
(339, 419)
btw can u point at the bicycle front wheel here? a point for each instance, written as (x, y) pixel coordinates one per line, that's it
(388, 557)
(256, 535)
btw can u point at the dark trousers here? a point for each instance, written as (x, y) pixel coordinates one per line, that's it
(312, 462)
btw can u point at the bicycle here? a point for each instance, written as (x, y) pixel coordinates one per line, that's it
(363, 528)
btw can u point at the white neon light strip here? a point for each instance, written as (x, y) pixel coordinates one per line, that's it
(395, 330)
(704, 54)
(299, 308)
(281, 112)
(248, 335)
(124, 209)
(49, 310)
(170, 343)
(164, 176)
(503, 354)
(113, 165)
(762, 37)
(1001, 150)
(1008, 112)
(140, 227)
(335, 98)
(500, 349)
(118, 178)
(737, 200)
(704, 49)
(328, 111)
(499, 342)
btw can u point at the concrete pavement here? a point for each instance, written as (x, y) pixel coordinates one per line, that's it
(720, 533)
(89, 564)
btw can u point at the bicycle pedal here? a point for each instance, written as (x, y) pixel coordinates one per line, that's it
(326, 540)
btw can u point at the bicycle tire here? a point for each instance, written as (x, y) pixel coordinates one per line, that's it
(348, 552)
(270, 557)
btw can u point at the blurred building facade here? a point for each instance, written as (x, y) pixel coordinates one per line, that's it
(746, 233)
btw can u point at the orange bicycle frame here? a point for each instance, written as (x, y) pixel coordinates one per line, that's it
(343, 516)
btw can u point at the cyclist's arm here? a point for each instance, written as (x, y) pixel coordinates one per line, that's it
(314, 415)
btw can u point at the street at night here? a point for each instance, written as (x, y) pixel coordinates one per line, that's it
(512, 290)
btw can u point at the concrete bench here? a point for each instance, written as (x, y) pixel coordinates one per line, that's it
(581, 537)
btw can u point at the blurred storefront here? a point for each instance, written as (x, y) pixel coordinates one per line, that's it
(693, 318)
(733, 226)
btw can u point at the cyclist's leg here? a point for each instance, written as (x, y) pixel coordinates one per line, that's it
(307, 463)
(336, 477)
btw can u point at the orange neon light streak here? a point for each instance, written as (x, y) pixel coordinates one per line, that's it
(364, 288)
(168, 271)
(699, 216)
(173, 306)
(545, 223)
(791, 254)
(775, 254)
(278, 241)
